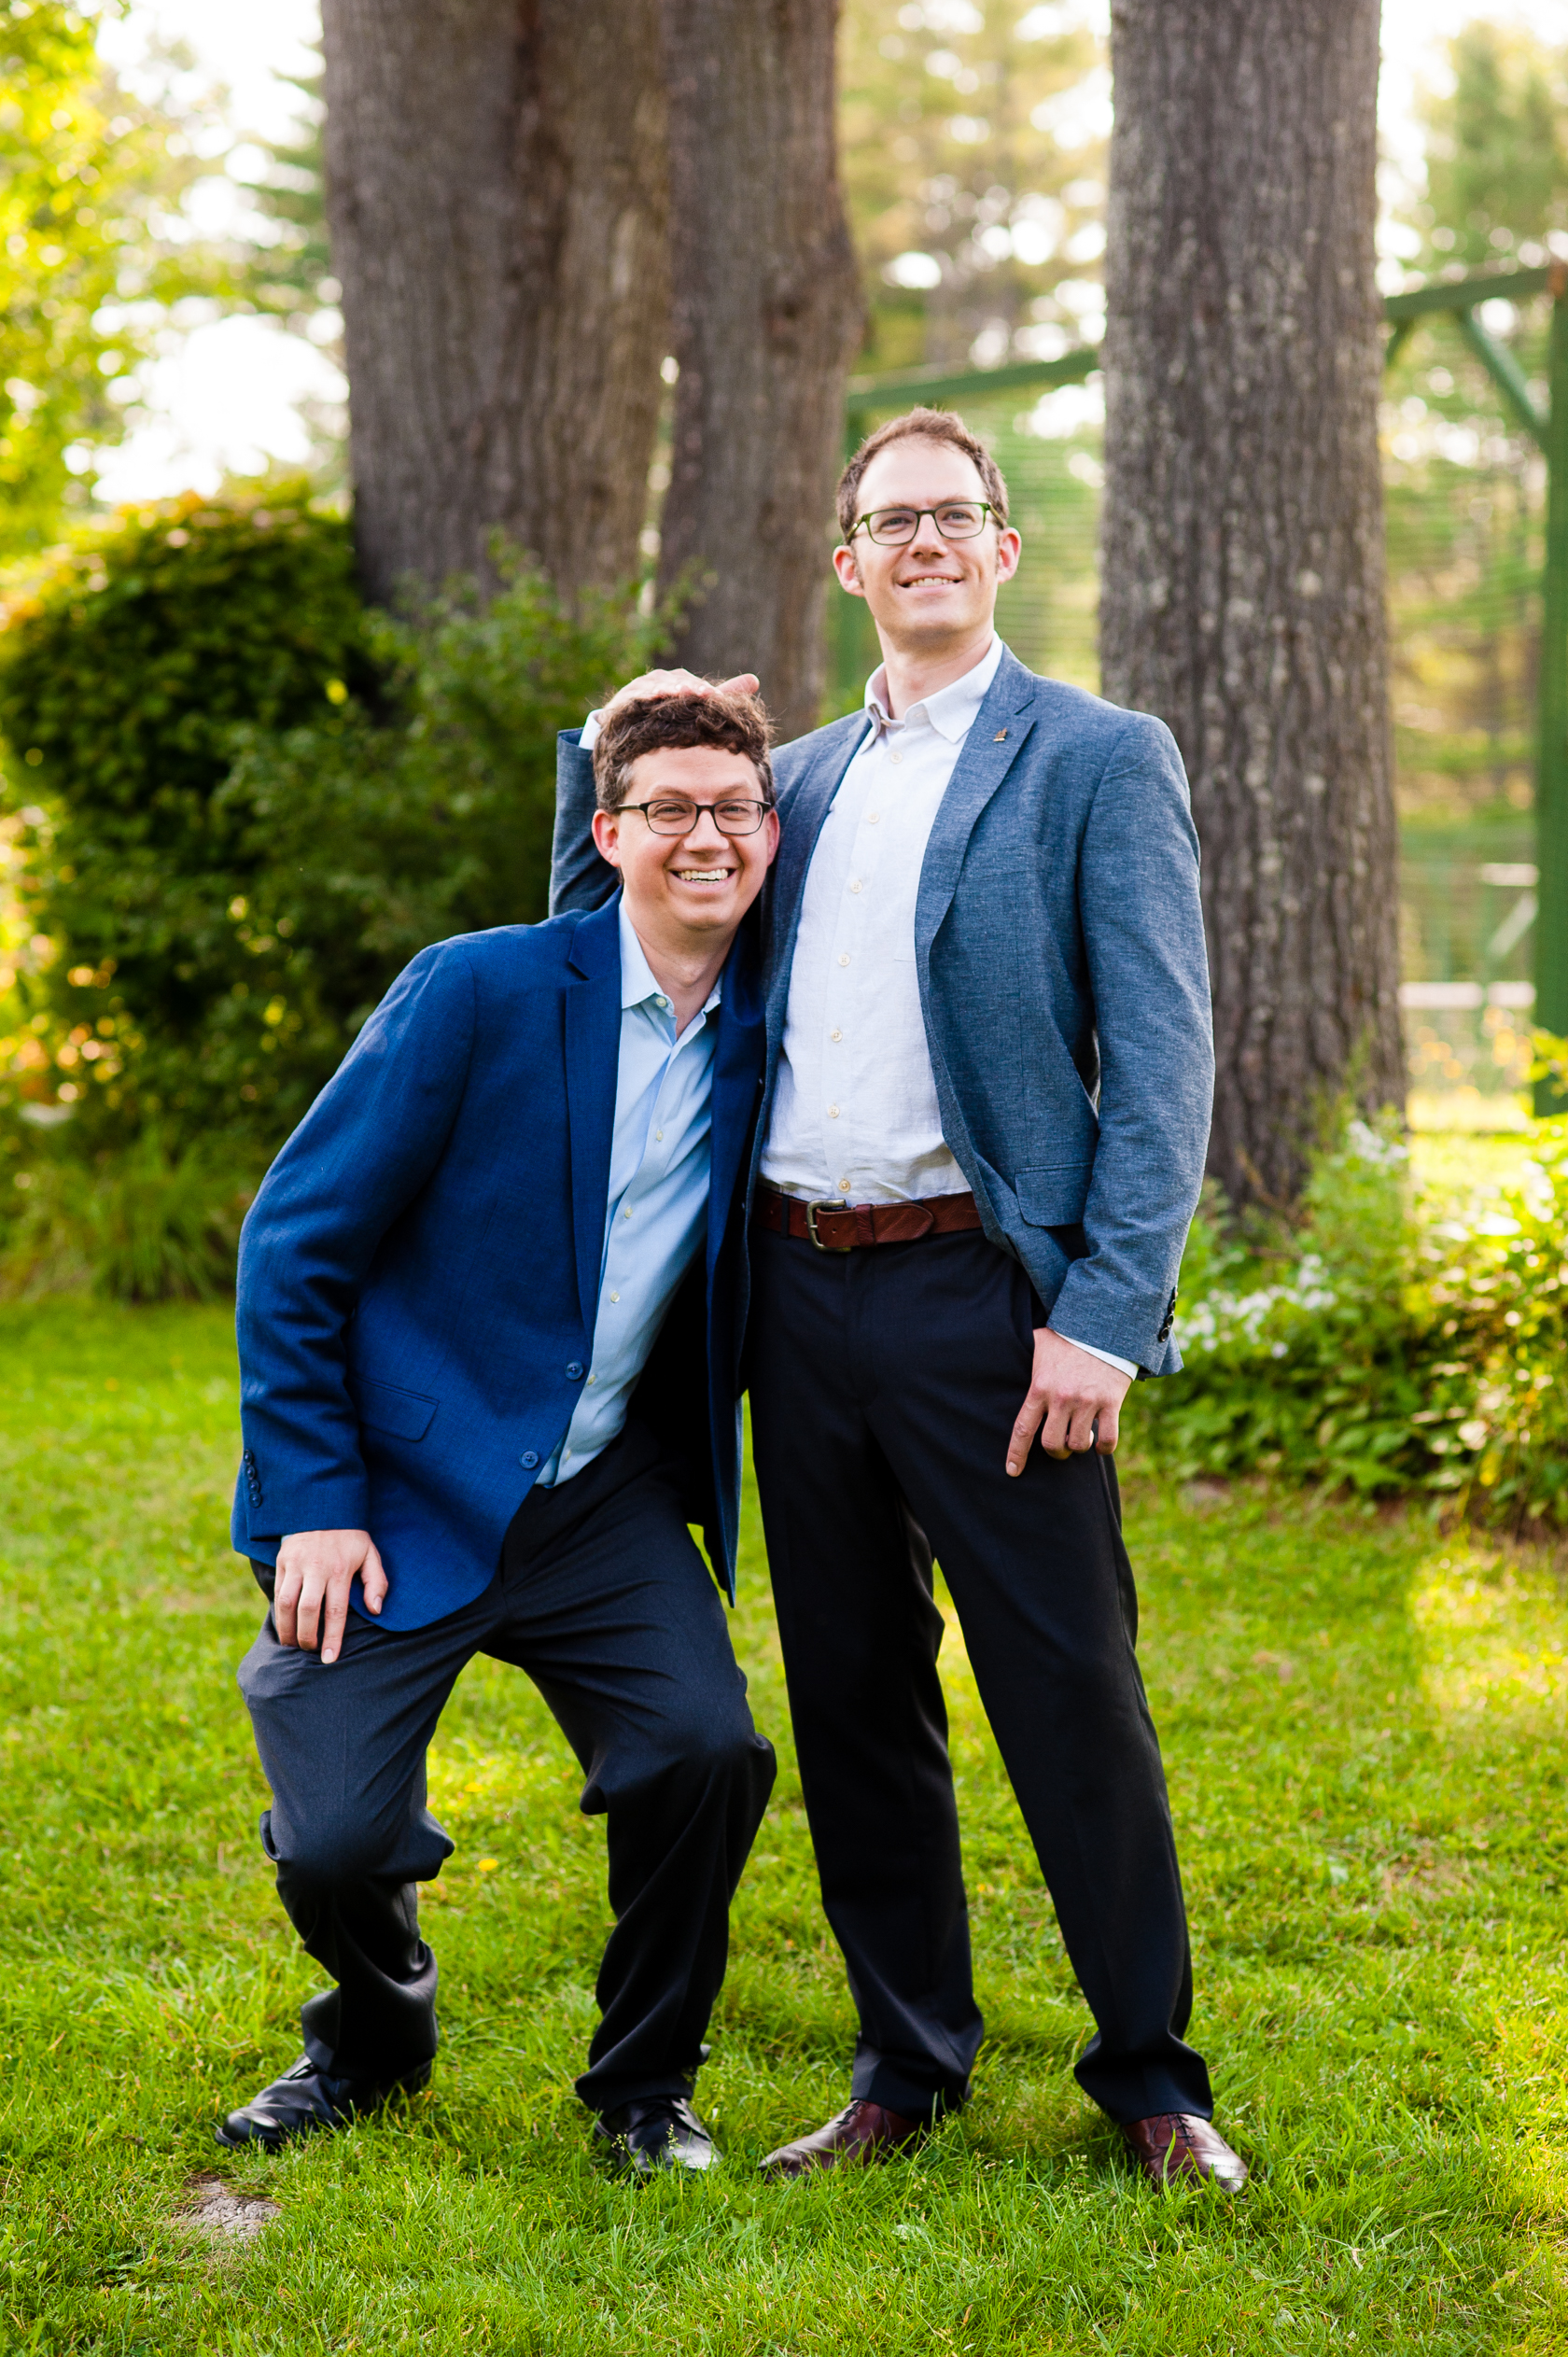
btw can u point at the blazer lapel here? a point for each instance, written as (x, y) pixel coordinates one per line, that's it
(979, 770)
(592, 1018)
(738, 1065)
(801, 815)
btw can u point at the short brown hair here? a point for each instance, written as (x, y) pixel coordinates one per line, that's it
(666, 723)
(919, 425)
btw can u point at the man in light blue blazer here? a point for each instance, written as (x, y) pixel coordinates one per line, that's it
(489, 1324)
(984, 1118)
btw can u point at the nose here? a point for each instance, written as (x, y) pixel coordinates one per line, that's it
(707, 833)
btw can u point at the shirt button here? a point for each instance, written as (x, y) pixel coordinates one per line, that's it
(833, 1112)
(658, 1137)
(592, 1381)
(615, 1297)
(835, 1034)
(874, 817)
(895, 756)
(854, 884)
(574, 1370)
(528, 1460)
(627, 1213)
(843, 957)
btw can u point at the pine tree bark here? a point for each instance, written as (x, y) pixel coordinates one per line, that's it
(496, 193)
(1243, 593)
(767, 317)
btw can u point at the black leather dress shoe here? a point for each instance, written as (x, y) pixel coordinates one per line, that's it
(656, 2132)
(305, 2100)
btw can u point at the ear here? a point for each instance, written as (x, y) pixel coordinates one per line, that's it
(1010, 547)
(847, 564)
(606, 835)
(770, 828)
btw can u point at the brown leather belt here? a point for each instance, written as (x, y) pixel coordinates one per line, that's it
(834, 1226)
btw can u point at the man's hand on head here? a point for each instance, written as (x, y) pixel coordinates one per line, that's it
(315, 1570)
(1069, 1393)
(678, 683)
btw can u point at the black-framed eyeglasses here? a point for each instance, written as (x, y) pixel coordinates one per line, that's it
(669, 815)
(955, 519)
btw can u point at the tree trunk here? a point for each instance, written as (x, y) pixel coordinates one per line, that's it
(497, 194)
(768, 316)
(1242, 593)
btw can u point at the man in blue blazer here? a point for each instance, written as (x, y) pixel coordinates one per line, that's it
(489, 1325)
(984, 1118)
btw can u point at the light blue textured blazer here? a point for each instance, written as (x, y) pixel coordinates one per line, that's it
(1059, 940)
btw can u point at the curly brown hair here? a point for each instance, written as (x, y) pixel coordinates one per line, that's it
(662, 723)
(920, 425)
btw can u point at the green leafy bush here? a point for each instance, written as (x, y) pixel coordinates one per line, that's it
(119, 688)
(249, 802)
(1390, 1344)
(145, 1225)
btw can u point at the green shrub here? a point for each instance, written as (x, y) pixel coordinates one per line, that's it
(143, 1225)
(1388, 1345)
(251, 802)
(119, 688)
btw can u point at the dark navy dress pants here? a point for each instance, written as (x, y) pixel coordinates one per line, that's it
(604, 1600)
(884, 1386)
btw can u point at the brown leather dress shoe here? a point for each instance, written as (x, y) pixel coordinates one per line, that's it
(861, 2132)
(1176, 2145)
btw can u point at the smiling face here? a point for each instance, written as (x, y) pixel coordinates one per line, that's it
(934, 594)
(687, 892)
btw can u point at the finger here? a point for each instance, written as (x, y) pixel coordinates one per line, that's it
(307, 1612)
(1080, 1433)
(285, 1597)
(373, 1581)
(744, 683)
(1054, 1439)
(658, 683)
(1110, 1429)
(1024, 1430)
(335, 1617)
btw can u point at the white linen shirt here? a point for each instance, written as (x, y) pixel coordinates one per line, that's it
(855, 1112)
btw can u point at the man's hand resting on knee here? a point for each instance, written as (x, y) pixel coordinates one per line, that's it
(315, 1570)
(1070, 1392)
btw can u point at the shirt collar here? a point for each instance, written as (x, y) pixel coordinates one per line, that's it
(951, 711)
(637, 983)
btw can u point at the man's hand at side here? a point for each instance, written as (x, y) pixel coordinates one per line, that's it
(678, 683)
(315, 1570)
(1070, 1392)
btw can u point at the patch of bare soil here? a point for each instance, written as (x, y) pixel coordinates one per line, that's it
(221, 2216)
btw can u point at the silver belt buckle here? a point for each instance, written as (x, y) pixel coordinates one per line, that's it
(825, 1203)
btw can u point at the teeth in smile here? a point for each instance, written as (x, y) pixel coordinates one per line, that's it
(702, 875)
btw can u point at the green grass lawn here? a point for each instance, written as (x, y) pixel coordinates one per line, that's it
(1363, 1725)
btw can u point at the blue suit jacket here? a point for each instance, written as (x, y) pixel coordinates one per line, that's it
(1059, 940)
(419, 1274)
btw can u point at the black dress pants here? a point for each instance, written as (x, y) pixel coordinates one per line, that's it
(603, 1599)
(884, 1385)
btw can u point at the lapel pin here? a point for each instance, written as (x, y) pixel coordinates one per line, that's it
(1001, 737)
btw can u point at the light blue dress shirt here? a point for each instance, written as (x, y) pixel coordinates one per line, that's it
(656, 1219)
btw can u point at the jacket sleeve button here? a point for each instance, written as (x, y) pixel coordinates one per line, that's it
(528, 1459)
(574, 1370)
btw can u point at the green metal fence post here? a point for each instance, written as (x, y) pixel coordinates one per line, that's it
(1551, 789)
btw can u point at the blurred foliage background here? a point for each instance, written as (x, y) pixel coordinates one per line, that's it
(234, 802)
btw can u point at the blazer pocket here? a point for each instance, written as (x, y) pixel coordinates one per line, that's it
(1055, 1196)
(385, 1409)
